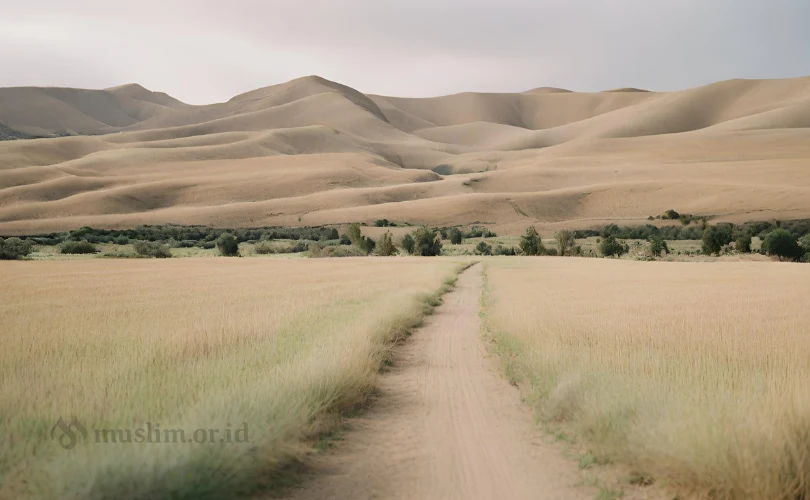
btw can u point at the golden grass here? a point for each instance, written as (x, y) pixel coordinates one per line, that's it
(695, 374)
(191, 343)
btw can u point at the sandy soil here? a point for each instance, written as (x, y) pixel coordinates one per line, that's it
(446, 425)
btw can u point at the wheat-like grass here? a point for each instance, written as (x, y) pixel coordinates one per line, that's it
(191, 343)
(697, 374)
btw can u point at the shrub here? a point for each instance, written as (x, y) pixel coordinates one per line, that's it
(671, 215)
(531, 243)
(456, 237)
(482, 248)
(742, 241)
(264, 248)
(715, 237)
(427, 242)
(782, 244)
(408, 243)
(121, 240)
(552, 252)
(14, 248)
(658, 246)
(364, 243)
(479, 232)
(805, 244)
(565, 242)
(502, 250)
(228, 245)
(152, 249)
(385, 246)
(78, 247)
(611, 247)
(381, 223)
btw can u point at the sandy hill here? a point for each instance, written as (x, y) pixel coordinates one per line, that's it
(312, 151)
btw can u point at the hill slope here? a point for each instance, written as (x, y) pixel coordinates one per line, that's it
(312, 151)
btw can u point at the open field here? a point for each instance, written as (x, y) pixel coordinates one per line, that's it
(315, 152)
(695, 375)
(274, 346)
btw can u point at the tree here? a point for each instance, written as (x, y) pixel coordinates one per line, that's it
(742, 241)
(427, 242)
(456, 237)
(381, 223)
(658, 246)
(531, 243)
(482, 248)
(715, 237)
(385, 246)
(14, 248)
(228, 245)
(782, 244)
(611, 247)
(805, 244)
(565, 242)
(408, 243)
(356, 235)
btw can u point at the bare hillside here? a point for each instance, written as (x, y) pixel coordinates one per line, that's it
(312, 151)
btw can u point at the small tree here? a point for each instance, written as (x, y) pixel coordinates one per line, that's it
(408, 243)
(385, 245)
(658, 246)
(531, 243)
(805, 244)
(456, 237)
(782, 244)
(715, 237)
(14, 248)
(742, 241)
(565, 242)
(427, 242)
(611, 247)
(228, 245)
(356, 235)
(482, 248)
(381, 223)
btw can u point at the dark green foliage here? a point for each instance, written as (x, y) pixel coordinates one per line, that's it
(385, 245)
(364, 243)
(671, 215)
(565, 242)
(427, 242)
(716, 237)
(805, 244)
(228, 245)
(444, 234)
(502, 250)
(345, 240)
(482, 248)
(456, 237)
(409, 244)
(658, 246)
(152, 249)
(611, 247)
(479, 232)
(742, 241)
(531, 243)
(14, 248)
(782, 244)
(381, 223)
(552, 252)
(78, 247)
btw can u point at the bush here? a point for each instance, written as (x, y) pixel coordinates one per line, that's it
(552, 252)
(502, 250)
(409, 244)
(565, 242)
(479, 232)
(381, 223)
(14, 248)
(658, 246)
(782, 244)
(385, 246)
(228, 245)
(78, 247)
(531, 243)
(152, 249)
(264, 248)
(456, 237)
(483, 249)
(805, 244)
(427, 242)
(742, 241)
(716, 237)
(364, 243)
(671, 215)
(611, 247)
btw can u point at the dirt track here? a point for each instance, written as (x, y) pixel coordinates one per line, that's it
(446, 425)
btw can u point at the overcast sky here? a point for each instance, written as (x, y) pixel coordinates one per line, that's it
(204, 51)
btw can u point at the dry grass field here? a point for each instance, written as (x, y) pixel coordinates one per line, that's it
(694, 374)
(276, 345)
(315, 152)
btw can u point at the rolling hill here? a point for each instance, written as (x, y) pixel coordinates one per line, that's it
(312, 151)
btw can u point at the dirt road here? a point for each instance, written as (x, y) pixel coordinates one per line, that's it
(446, 425)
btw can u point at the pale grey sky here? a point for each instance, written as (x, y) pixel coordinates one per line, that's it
(204, 51)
